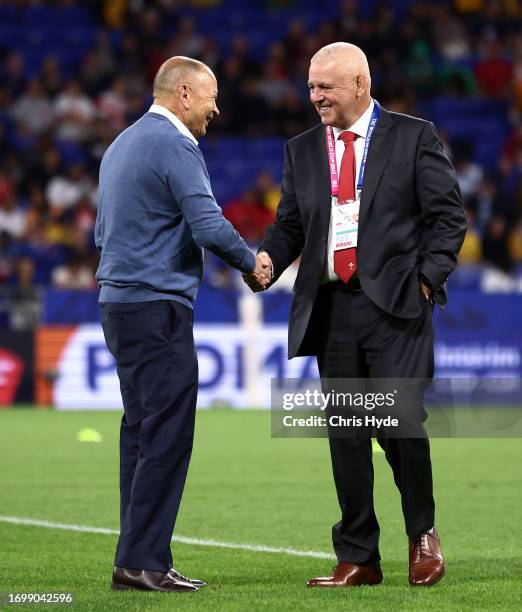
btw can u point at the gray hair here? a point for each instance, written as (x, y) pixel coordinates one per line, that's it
(351, 54)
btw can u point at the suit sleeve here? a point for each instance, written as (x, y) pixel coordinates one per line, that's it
(190, 184)
(284, 239)
(443, 215)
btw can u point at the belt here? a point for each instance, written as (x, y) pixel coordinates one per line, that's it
(352, 286)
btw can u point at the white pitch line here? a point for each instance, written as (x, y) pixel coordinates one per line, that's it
(16, 520)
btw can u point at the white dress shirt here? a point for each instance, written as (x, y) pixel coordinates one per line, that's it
(360, 127)
(161, 110)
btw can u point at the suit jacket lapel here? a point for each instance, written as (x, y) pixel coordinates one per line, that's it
(378, 154)
(322, 171)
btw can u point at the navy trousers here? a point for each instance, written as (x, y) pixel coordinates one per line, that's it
(153, 345)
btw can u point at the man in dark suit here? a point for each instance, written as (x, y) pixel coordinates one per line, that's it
(156, 213)
(371, 204)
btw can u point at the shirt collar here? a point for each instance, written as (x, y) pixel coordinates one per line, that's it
(161, 110)
(360, 127)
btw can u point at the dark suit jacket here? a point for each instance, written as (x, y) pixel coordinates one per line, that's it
(411, 222)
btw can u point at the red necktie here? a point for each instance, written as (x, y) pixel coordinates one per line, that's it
(345, 261)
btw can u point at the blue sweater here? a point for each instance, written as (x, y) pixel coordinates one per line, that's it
(156, 213)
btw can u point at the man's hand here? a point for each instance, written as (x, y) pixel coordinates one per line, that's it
(425, 290)
(260, 277)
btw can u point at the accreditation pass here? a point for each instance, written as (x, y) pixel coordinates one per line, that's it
(346, 223)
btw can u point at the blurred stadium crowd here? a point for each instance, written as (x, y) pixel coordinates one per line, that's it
(75, 74)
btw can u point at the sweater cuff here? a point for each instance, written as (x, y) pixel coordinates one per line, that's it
(248, 263)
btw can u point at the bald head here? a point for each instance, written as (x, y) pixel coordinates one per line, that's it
(188, 88)
(339, 82)
(176, 71)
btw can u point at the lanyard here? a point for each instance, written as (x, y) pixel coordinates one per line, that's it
(332, 160)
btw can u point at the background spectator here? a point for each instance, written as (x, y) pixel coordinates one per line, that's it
(13, 219)
(249, 215)
(24, 297)
(33, 109)
(73, 274)
(74, 112)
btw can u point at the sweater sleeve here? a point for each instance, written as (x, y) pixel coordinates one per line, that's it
(189, 182)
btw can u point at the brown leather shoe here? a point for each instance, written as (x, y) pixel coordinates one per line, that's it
(124, 579)
(175, 574)
(426, 562)
(349, 575)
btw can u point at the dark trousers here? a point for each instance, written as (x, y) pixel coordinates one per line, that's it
(153, 345)
(362, 341)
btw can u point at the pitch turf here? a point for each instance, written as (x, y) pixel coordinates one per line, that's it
(245, 487)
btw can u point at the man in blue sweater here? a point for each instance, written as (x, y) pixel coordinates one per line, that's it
(156, 213)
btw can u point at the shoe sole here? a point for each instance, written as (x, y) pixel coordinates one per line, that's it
(124, 587)
(414, 584)
(116, 586)
(343, 586)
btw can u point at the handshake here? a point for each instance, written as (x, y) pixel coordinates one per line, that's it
(261, 275)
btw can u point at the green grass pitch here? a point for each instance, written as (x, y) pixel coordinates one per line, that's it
(246, 487)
